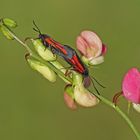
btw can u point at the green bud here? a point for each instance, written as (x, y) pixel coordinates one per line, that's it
(69, 91)
(42, 69)
(77, 78)
(6, 32)
(45, 53)
(9, 22)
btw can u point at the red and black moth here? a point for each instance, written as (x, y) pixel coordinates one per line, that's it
(64, 51)
(68, 54)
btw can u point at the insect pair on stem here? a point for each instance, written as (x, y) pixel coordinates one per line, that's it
(69, 55)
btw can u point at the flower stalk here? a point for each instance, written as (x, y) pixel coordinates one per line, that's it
(121, 113)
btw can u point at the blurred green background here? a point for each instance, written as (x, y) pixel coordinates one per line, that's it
(31, 108)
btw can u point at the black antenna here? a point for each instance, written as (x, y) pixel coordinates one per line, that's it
(95, 87)
(36, 29)
(97, 82)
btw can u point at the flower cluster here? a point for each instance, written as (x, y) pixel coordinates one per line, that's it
(46, 63)
(92, 52)
(44, 60)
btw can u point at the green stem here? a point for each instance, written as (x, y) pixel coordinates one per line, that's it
(18, 40)
(123, 115)
(103, 99)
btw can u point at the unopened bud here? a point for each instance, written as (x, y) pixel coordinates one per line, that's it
(77, 78)
(6, 32)
(43, 51)
(9, 22)
(42, 69)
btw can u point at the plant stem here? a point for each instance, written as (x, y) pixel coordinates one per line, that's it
(58, 71)
(123, 115)
(18, 40)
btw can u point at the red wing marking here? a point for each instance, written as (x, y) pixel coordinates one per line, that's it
(56, 45)
(76, 64)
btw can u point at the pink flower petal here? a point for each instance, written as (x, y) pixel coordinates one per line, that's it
(70, 102)
(81, 45)
(131, 85)
(94, 48)
(89, 44)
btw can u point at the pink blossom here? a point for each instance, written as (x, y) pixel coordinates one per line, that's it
(131, 86)
(90, 45)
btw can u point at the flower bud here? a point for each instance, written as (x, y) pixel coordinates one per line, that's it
(9, 22)
(136, 107)
(42, 69)
(131, 86)
(77, 78)
(6, 32)
(83, 97)
(69, 97)
(44, 52)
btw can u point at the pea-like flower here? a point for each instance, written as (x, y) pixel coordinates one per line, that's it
(77, 93)
(91, 47)
(131, 87)
(83, 97)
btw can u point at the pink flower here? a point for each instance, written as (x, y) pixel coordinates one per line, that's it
(131, 86)
(90, 45)
(77, 94)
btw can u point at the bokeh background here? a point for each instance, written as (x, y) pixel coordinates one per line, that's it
(31, 108)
